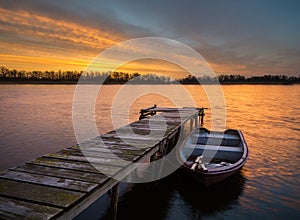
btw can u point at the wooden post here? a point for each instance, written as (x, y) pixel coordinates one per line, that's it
(201, 116)
(191, 124)
(152, 157)
(183, 130)
(114, 201)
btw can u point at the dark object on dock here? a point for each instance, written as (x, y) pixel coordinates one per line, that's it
(148, 111)
(212, 156)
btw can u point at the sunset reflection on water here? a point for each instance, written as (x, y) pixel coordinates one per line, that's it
(38, 119)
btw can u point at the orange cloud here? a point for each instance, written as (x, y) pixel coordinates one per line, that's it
(36, 26)
(30, 41)
(41, 63)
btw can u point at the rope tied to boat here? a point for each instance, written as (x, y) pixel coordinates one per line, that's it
(198, 162)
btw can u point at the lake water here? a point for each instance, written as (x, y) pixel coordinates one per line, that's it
(37, 119)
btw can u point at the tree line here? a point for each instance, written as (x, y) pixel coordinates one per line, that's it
(74, 76)
(13, 75)
(240, 79)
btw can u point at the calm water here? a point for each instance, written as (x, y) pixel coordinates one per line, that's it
(37, 119)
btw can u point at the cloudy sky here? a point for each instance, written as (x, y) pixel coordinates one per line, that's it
(246, 37)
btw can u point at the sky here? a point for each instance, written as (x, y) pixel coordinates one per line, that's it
(238, 37)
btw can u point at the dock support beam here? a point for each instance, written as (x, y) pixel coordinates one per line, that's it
(114, 202)
(201, 114)
(196, 122)
(191, 124)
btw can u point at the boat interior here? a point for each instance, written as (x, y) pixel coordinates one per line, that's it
(224, 147)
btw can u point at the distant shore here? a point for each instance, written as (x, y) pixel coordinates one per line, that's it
(74, 82)
(37, 82)
(12, 76)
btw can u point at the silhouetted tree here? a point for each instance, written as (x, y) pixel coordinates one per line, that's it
(121, 77)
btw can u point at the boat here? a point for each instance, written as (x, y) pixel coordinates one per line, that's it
(213, 156)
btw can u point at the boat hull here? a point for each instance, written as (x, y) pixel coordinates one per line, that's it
(208, 179)
(212, 176)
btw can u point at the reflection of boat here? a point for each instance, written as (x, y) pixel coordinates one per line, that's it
(212, 156)
(201, 202)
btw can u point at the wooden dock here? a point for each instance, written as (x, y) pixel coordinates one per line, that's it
(61, 185)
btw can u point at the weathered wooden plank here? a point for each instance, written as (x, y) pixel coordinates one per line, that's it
(16, 209)
(111, 141)
(151, 128)
(183, 114)
(73, 165)
(160, 123)
(156, 127)
(173, 115)
(143, 126)
(145, 131)
(49, 181)
(153, 131)
(50, 196)
(62, 173)
(146, 124)
(104, 142)
(114, 152)
(134, 143)
(85, 151)
(146, 121)
(163, 114)
(118, 150)
(92, 159)
(131, 137)
(169, 123)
